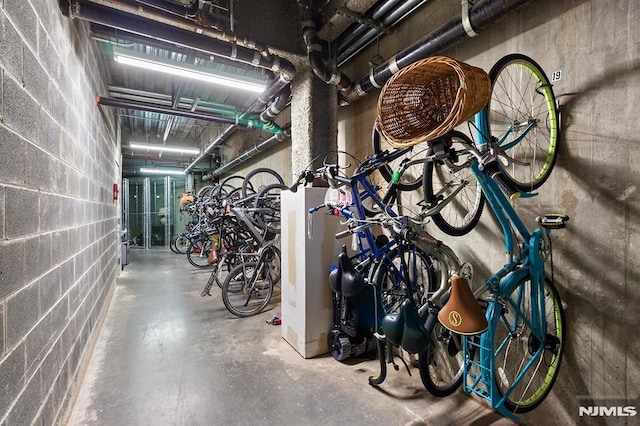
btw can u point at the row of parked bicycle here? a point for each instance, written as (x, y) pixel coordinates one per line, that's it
(232, 229)
(401, 287)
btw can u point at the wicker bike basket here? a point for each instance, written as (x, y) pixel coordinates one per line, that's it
(430, 97)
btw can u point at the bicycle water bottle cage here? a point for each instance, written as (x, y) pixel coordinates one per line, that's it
(462, 314)
(553, 220)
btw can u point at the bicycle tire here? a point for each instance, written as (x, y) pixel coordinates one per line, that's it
(441, 366)
(259, 178)
(227, 185)
(172, 243)
(520, 95)
(274, 263)
(389, 196)
(198, 256)
(391, 286)
(240, 297)
(206, 191)
(221, 191)
(180, 244)
(411, 178)
(460, 215)
(269, 198)
(535, 387)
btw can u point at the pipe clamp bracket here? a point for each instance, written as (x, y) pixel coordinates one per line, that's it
(466, 23)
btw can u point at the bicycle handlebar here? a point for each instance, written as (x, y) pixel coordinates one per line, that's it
(493, 171)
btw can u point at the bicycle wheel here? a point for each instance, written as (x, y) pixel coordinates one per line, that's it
(247, 289)
(442, 364)
(180, 244)
(523, 116)
(452, 183)
(392, 284)
(269, 199)
(388, 196)
(411, 179)
(198, 253)
(273, 261)
(259, 178)
(516, 347)
(172, 243)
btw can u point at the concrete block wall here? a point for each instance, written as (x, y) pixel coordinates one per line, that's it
(59, 239)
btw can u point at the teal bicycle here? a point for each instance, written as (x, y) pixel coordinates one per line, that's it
(515, 362)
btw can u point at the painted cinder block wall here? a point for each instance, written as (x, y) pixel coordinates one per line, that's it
(59, 239)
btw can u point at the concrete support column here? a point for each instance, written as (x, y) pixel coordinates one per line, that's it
(314, 111)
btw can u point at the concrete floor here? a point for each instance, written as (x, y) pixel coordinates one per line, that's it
(167, 356)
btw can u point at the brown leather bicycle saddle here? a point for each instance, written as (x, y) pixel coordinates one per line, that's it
(462, 314)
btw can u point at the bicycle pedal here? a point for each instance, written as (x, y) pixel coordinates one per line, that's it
(553, 220)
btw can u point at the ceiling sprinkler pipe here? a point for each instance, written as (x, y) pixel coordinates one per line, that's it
(481, 16)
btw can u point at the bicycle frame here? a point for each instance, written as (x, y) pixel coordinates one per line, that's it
(527, 264)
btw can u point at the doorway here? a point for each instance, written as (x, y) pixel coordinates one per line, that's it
(151, 211)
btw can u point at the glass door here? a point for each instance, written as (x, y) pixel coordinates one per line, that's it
(152, 205)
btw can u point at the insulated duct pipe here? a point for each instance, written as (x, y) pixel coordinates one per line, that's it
(279, 103)
(481, 16)
(230, 118)
(264, 145)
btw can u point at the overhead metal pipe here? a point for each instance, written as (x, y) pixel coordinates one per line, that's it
(156, 15)
(320, 68)
(229, 118)
(261, 147)
(377, 13)
(481, 15)
(279, 103)
(349, 48)
(221, 138)
(101, 33)
(183, 11)
(179, 37)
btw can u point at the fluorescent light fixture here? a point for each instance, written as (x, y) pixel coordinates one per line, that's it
(166, 66)
(163, 148)
(145, 170)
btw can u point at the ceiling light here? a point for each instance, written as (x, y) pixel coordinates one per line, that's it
(153, 63)
(145, 170)
(162, 148)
